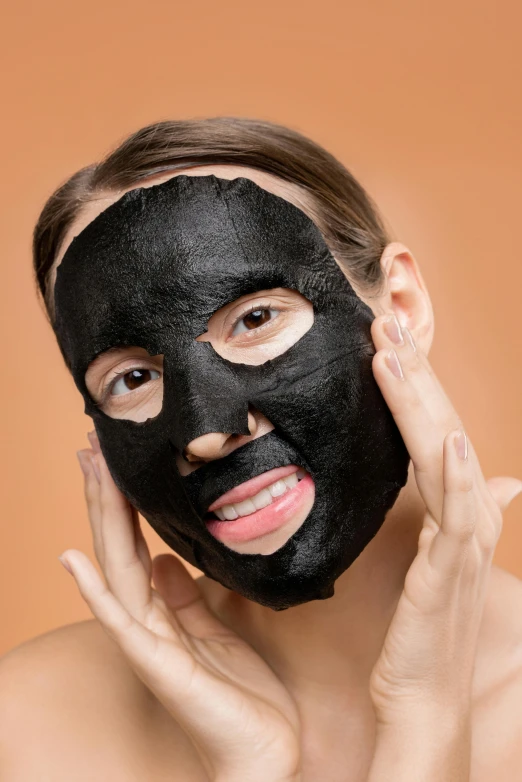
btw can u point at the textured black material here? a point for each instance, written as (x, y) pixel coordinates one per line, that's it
(150, 271)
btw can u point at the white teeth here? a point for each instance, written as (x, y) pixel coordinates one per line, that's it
(244, 508)
(277, 489)
(291, 480)
(261, 499)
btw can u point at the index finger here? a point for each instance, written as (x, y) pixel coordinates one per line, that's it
(419, 405)
(127, 575)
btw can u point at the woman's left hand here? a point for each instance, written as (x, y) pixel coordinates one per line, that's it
(425, 669)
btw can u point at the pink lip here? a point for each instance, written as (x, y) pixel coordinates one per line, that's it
(266, 520)
(253, 486)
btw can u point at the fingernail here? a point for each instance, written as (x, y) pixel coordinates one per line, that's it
(84, 460)
(410, 338)
(393, 330)
(96, 467)
(66, 565)
(394, 365)
(461, 445)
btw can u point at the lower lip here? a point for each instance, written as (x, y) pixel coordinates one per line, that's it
(266, 520)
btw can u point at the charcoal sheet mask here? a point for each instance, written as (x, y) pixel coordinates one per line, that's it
(150, 271)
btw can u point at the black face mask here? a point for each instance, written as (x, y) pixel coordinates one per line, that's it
(150, 271)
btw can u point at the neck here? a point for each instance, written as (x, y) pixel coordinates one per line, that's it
(335, 641)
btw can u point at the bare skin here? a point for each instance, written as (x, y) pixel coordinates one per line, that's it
(90, 716)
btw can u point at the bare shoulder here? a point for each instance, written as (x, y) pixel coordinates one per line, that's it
(497, 732)
(72, 708)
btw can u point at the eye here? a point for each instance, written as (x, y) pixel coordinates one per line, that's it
(132, 380)
(254, 319)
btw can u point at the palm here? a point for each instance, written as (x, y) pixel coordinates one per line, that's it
(239, 715)
(210, 680)
(198, 666)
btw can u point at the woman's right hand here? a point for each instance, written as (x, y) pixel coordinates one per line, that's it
(242, 720)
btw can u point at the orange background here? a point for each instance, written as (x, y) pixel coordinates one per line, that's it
(420, 100)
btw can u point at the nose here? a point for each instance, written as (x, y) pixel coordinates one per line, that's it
(216, 445)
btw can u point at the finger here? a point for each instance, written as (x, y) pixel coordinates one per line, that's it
(124, 570)
(460, 512)
(139, 644)
(141, 544)
(184, 598)
(421, 409)
(436, 415)
(92, 498)
(94, 441)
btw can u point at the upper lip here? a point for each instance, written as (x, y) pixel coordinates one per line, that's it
(253, 486)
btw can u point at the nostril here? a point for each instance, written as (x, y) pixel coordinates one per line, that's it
(189, 457)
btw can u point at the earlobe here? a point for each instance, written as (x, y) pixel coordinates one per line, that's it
(406, 293)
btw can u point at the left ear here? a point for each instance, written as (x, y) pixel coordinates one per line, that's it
(405, 294)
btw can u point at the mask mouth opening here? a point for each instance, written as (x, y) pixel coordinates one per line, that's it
(256, 502)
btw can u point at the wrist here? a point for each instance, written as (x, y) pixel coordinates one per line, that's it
(257, 773)
(423, 745)
(256, 776)
(441, 719)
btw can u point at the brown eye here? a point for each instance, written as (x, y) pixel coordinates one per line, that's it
(132, 380)
(254, 319)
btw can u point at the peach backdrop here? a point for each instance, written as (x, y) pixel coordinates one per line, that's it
(420, 100)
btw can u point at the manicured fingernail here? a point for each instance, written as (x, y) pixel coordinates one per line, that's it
(84, 460)
(96, 467)
(66, 565)
(393, 330)
(461, 445)
(410, 338)
(394, 365)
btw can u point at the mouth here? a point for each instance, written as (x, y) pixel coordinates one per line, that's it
(260, 505)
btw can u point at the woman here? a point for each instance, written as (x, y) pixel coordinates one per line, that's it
(409, 669)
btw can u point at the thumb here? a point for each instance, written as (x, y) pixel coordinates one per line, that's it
(504, 490)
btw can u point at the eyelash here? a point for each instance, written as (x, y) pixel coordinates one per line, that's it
(260, 305)
(106, 391)
(112, 382)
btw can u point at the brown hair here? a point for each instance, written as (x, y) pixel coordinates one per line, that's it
(344, 212)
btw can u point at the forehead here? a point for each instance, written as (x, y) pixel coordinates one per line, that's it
(189, 231)
(273, 184)
(163, 259)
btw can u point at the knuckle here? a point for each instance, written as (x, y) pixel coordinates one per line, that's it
(412, 362)
(116, 567)
(426, 536)
(464, 484)
(464, 530)
(489, 539)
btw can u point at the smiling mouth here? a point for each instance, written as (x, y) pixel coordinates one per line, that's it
(287, 496)
(255, 494)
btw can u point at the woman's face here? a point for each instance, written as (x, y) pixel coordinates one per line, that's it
(127, 382)
(226, 362)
